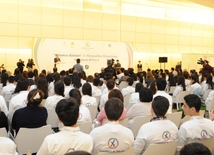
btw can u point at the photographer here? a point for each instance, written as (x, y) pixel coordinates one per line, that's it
(30, 64)
(207, 68)
(20, 65)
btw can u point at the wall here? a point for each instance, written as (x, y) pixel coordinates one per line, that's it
(151, 28)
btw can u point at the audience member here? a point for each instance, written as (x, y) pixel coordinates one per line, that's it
(134, 98)
(87, 99)
(129, 89)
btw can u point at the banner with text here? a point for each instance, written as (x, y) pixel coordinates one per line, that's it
(93, 54)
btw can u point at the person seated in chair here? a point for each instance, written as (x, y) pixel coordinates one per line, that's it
(129, 89)
(159, 129)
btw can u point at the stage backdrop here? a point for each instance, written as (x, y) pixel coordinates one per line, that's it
(93, 54)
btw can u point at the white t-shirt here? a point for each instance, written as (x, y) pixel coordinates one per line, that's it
(106, 89)
(51, 101)
(69, 139)
(17, 102)
(164, 94)
(128, 90)
(210, 97)
(7, 146)
(194, 87)
(89, 100)
(84, 114)
(3, 105)
(103, 100)
(9, 88)
(111, 137)
(196, 128)
(67, 90)
(153, 132)
(32, 87)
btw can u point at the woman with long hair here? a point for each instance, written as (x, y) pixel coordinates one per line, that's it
(209, 83)
(180, 87)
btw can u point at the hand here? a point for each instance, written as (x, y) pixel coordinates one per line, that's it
(211, 115)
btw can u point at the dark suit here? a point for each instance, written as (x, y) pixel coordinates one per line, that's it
(56, 60)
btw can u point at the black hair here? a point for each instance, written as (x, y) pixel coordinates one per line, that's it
(181, 81)
(11, 79)
(195, 79)
(78, 153)
(195, 149)
(67, 80)
(86, 89)
(90, 78)
(77, 82)
(49, 78)
(110, 84)
(35, 71)
(153, 87)
(138, 86)
(171, 80)
(210, 82)
(75, 93)
(17, 71)
(130, 81)
(59, 88)
(145, 95)
(113, 109)
(22, 85)
(193, 100)
(78, 60)
(68, 111)
(80, 75)
(161, 84)
(126, 72)
(43, 86)
(30, 74)
(96, 82)
(56, 77)
(44, 71)
(160, 105)
(4, 79)
(33, 100)
(115, 93)
(54, 69)
(62, 73)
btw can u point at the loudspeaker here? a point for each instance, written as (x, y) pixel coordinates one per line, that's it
(162, 59)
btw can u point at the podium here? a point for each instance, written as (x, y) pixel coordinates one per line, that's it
(61, 66)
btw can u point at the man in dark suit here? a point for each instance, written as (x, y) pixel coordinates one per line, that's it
(57, 59)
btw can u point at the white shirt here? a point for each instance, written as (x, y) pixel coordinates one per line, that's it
(206, 87)
(139, 109)
(32, 87)
(51, 88)
(134, 98)
(84, 114)
(7, 146)
(67, 90)
(103, 100)
(210, 97)
(164, 94)
(120, 75)
(67, 140)
(153, 132)
(187, 82)
(51, 101)
(3, 105)
(196, 128)
(177, 90)
(203, 84)
(111, 137)
(128, 90)
(194, 87)
(96, 91)
(88, 100)
(106, 89)
(17, 102)
(82, 82)
(9, 88)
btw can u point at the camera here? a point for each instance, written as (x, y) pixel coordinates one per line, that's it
(201, 62)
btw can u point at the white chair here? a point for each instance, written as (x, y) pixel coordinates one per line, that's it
(180, 98)
(168, 148)
(138, 122)
(127, 152)
(52, 118)
(7, 96)
(175, 118)
(31, 138)
(183, 120)
(3, 132)
(93, 111)
(206, 94)
(124, 122)
(130, 105)
(85, 127)
(172, 88)
(126, 100)
(98, 100)
(210, 105)
(122, 85)
(207, 142)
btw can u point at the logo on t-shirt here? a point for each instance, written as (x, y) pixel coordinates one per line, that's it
(204, 134)
(70, 150)
(80, 116)
(166, 135)
(113, 143)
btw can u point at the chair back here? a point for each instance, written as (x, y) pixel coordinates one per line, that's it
(134, 84)
(43, 102)
(162, 149)
(3, 132)
(180, 97)
(130, 105)
(210, 106)
(52, 118)
(127, 152)
(31, 138)
(126, 100)
(175, 118)
(172, 88)
(122, 85)
(93, 111)
(207, 142)
(138, 122)
(7, 96)
(206, 94)
(124, 122)
(98, 100)
(85, 127)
